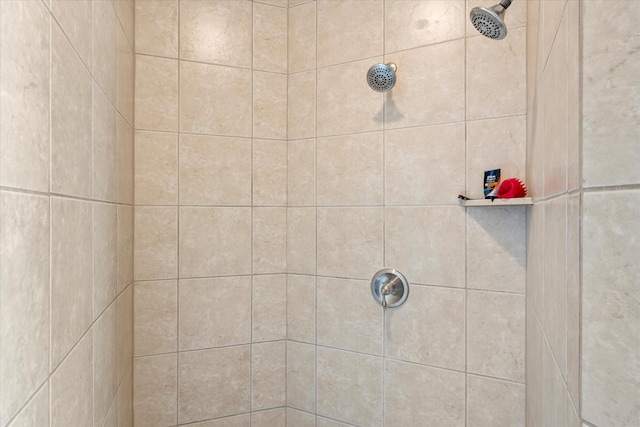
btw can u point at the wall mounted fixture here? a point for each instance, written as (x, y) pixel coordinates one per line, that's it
(490, 21)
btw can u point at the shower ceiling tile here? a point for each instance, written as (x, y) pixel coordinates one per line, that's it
(215, 100)
(348, 30)
(217, 32)
(214, 241)
(415, 23)
(431, 158)
(430, 87)
(156, 30)
(24, 134)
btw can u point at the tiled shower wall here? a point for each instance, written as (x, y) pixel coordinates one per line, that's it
(66, 216)
(372, 182)
(210, 220)
(583, 340)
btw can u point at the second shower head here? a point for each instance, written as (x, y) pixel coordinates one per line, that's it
(382, 77)
(490, 21)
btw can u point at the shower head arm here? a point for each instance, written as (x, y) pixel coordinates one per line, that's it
(505, 4)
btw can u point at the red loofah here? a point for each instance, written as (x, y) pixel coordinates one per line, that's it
(512, 188)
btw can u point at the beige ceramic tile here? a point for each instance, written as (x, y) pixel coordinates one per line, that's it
(71, 274)
(301, 380)
(200, 93)
(76, 20)
(302, 37)
(269, 173)
(430, 86)
(156, 168)
(216, 32)
(156, 93)
(271, 418)
(551, 13)
(300, 419)
(36, 413)
(105, 148)
(155, 316)
(410, 24)
(111, 419)
(349, 170)
(71, 387)
(269, 38)
(423, 253)
(535, 259)
(325, 422)
(350, 242)
(555, 279)
(215, 170)
(554, 391)
(268, 375)
(485, 63)
(126, 77)
(346, 103)
(280, 3)
(496, 249)
(351, 322)
(125, 161)
(507, 139)
(125, 400)
(125, 246)
(156, 388)
(443, 342)
(496, 334)
(301, 104)
(301, 308)
(301, 172)
(269, 105)
(105, 256)
(349, 30)
(24, 297)
(574, 100)
(574, 209)
(610, 93)
(516, 16)
(200, 375)
(24, 114)
(156, 243)
(534, 369)
(234, 421)
(408, 387)
(611, 308)
(214, 312)
(301, 240)
(105, 48)
(70, 119)
(126, 14)
(124, 313)
(269, 308)
(430, 158)
(156, 27)
(339, 374)
(554, 97)
(269, 240)
(215, 241)
(493, 402)
(104, 364)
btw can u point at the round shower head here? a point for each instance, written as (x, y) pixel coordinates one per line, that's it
(490, 21)
(382, 77)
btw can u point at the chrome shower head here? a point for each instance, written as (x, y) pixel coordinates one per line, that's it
(490, 21)
(382, 77)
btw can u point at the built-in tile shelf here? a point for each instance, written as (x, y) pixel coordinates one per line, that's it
(520, 201)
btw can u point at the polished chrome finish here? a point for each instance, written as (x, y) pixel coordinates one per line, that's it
(389, 288)
(382, 77)
(490, 21)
